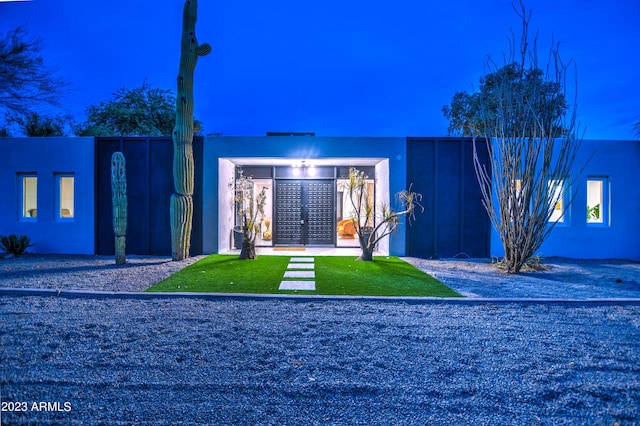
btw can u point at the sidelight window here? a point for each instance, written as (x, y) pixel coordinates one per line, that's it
(347, 211)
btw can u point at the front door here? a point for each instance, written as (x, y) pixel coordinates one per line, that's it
(304, 212)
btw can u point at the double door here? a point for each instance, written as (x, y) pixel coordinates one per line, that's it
(304, 212)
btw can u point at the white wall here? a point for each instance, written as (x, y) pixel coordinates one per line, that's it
(382, 198)
(225, 204)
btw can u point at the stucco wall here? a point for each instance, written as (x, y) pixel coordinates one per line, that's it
(617, 161)
(616, 238)
(295, 147)
(227, 171)
(47, 157)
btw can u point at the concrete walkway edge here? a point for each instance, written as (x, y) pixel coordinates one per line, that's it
(75, 294)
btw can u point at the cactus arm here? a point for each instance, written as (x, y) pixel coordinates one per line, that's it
(203, 50)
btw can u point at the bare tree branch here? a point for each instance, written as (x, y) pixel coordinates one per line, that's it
(25, 81)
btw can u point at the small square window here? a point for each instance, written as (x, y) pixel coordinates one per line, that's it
(28, 196)
(65, 196)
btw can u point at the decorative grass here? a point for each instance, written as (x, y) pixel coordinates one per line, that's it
(334, 275)
(227, 274)
(385, 276)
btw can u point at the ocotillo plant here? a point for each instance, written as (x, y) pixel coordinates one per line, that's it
(119, 197)
(183, 163)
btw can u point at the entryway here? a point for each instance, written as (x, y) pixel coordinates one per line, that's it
(304, 212)
(306, 204)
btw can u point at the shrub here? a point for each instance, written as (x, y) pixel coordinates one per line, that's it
(15, 244)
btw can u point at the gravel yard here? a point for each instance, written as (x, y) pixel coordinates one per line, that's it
(194, 361)
(190, 361)
(96, 273)
(565, 279)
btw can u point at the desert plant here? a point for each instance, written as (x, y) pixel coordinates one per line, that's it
(119, 199)
(15, 245)
(531, 151)
(183, 163)
(250, 207)
(371, 231)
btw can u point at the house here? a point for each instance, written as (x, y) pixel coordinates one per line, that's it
(58, 192)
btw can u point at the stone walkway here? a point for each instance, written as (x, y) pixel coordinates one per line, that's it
(299, 267)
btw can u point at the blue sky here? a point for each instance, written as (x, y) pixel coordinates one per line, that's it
(335, 67)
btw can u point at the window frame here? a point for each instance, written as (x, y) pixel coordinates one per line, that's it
(605, 202)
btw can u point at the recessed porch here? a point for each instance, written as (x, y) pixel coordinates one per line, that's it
(275, 173)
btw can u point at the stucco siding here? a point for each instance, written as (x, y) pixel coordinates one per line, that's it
(48, 158)
(616, 162)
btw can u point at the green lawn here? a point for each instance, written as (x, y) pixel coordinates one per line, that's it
(334, 275)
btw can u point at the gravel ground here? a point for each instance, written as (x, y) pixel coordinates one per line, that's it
(565, 279)
(96, 273)
(279, 362)
(195, 361)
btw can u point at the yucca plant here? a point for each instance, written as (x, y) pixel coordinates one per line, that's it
(250, 207)
(15, 244)
(363, 213)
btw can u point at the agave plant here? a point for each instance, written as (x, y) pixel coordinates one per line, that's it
(15, 244)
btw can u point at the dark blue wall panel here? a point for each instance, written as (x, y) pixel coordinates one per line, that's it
(149, 188)
(454, 221)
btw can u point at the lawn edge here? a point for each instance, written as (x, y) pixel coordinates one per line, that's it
(30, 292)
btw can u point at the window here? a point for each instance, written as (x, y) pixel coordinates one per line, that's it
(596, 200)
(29, 196)
(515, 205)
(65, 196)
(518, 191)
(346, 212)
(556, 194)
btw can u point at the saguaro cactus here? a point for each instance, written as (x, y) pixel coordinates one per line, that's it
(183, 164)
(119, 197)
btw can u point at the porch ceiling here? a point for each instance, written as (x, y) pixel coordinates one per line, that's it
(280, 161)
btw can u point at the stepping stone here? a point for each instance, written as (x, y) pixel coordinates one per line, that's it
(300, 266)
(302, 259)
(300, 274)
(297, 285)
